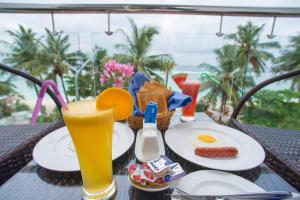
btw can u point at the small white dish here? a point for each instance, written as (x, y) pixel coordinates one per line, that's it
(56, 152)
(149, 189)
(181, 137)
(213, 182)
(149, 143)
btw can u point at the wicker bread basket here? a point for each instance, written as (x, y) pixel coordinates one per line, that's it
(162, 120)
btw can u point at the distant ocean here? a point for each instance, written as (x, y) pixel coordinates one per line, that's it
(29, 93)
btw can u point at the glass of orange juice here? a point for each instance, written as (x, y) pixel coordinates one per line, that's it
(91, 129)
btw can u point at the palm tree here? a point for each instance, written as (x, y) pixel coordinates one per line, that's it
(6, 86)
(4, 53)
(229, 76)
(88, 76)
(56, 54)
(23, 52)
(250, 49)
(136, 49)
(100, 57)
(289, 61)
(168, 65)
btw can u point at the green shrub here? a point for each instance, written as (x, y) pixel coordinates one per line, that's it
(55, 115)
(22, 107)
(280, 109)
(202, 105)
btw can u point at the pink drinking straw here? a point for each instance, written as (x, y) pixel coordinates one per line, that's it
(41, 95)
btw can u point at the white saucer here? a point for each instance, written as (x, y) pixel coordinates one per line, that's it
(55, 151)
(149, 189)
(213, 182)
(138, 146)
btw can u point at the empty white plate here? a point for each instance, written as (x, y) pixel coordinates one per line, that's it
(182, 137)
(213, 182)
(56, 152)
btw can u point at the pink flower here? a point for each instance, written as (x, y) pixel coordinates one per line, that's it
(106, 73)
(127, 70)
(121, 67)
(110, 65)
(118, 82)
(102, 79)
(116, 73)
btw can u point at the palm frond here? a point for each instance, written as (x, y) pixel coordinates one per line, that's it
(271, 45)
(210, 67)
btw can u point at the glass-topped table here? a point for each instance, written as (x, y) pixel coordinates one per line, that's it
(36, 183)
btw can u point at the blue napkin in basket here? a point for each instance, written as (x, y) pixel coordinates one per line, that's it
(176, 100)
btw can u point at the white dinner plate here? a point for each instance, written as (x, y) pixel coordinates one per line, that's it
(182, 137)
(56, 152)
(213, 182)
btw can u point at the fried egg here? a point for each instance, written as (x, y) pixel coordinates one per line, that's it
(207, 140)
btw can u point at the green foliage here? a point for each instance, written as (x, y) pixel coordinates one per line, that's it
(232, 71)
(89, 77)
(85, 85)
(54, 115)
(6, 88)
(22, 107)
(168, 64)
(274, 109)
(249, 48)
(136, 50)
(228, 74)
(289, 61)
(100, 58)
(202, 105)
(24, 49)
(24, 52)
(55, 55)
(6, 85)
(5, 110)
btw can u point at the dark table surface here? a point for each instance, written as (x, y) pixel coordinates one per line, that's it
(36, 183)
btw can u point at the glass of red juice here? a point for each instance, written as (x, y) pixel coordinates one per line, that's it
(191, 88)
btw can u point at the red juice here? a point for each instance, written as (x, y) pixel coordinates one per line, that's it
(190, 88)
(179, 79)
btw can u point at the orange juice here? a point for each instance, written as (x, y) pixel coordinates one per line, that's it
(91, 131)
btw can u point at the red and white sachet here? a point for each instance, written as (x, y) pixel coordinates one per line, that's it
(135, 173)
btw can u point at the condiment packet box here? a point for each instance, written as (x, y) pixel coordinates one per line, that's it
(160, 166)
(174, 173)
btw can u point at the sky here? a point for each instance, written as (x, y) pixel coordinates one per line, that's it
(191, 39)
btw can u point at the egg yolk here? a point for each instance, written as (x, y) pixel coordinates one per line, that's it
(206, 138)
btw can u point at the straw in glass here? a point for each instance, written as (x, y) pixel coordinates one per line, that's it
(41, 95)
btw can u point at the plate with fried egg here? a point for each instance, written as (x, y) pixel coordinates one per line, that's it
(214, 146)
